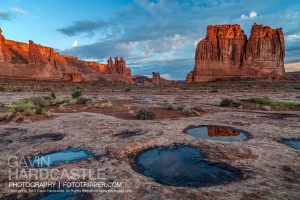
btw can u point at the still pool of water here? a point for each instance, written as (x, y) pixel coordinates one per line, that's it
(183, 166)
(293, 143)
(59, 156)
(217, 133)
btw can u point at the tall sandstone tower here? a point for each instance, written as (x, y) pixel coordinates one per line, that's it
(226, 52)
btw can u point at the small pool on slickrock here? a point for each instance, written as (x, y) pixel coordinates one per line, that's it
(295, 143)
(217, 133)
(60, 156)
(183, 166)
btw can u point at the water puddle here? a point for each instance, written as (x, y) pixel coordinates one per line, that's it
(183, 166)
(295, 143)
(71, 155)
(217, 133)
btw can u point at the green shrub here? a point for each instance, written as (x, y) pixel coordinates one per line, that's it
(145, 113)
(127, 89)
(83, 99)
(76, 93)
(47, 89)
(2, 88)
(180, 107)
(39, 101)
(272, 103)
(226, 102)
(40, 110)
(53, 96)
(16, 90)
(215, 90)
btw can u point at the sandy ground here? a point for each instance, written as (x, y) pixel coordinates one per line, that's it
(271, 169)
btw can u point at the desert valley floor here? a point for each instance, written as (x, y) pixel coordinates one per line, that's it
(271, 169)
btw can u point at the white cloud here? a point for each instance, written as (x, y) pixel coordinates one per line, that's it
(197, 41)
(251, 15)
(291, 67)
(75, 43)
(291, 37)
(23, 12)
(166, 76)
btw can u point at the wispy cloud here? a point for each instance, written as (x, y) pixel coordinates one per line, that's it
(22, 12)
(4, 15)
(83, 27)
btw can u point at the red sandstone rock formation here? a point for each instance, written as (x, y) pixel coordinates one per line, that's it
(75, 77)
(156, 78)
(226, 52)
(35, 61)
(117, 67)
(4, 52)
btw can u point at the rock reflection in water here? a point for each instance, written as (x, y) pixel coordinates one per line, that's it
(217, 133)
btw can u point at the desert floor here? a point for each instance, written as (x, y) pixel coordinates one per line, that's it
(270, 168)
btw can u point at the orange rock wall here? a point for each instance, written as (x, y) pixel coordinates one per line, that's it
(226, 52)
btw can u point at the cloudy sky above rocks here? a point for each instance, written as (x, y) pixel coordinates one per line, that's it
(152, 35)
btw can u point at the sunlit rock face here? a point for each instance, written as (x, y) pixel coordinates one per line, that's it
(34, 61)
(226, 52)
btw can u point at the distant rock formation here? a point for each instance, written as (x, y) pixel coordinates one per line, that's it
(156, 79)
(34, 61)
(226, 52)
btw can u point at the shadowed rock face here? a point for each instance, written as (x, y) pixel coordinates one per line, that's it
(226, 52)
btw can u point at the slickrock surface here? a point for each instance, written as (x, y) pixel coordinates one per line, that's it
(271, 169)
(226, 52)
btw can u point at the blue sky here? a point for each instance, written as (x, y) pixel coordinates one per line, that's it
(152, 35)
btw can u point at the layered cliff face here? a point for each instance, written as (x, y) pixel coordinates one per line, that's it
(4, 52)
(226, 52)
(21, 60)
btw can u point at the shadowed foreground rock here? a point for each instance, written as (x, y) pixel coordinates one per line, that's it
(226, 52)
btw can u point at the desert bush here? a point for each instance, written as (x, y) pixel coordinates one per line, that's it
(47, 89)
(39, 102)
(127, 89)
(226, 102)
(145, 113)
(83, 99)
(77, 93)
(181, 107)
(170, 107)
(197, 108)
(40, 110)
(52, 95)
(107, 104)
(16, 90)
(190, 112)
(2, 88)
(215, 90)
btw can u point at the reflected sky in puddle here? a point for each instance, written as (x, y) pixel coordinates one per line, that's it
(183, 166)
(60, 156)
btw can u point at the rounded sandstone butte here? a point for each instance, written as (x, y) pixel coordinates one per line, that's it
(226, 52)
